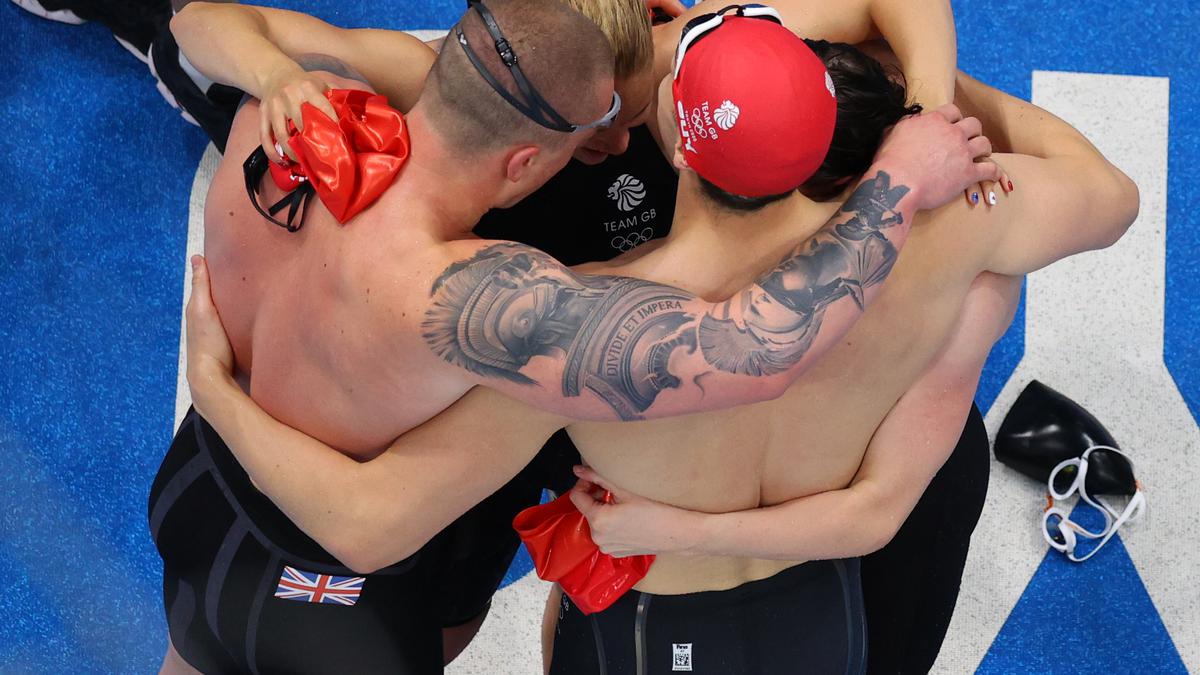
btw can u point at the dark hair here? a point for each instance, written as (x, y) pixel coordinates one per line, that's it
(870, 99)
(561, 52)
(732, 202)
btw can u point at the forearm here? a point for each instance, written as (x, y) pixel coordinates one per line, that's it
(826, 282)
(324, 492)
(922, 34)
(254, 47)
(375, 513)
(1019, 126)
(229, 44)
(837, 524)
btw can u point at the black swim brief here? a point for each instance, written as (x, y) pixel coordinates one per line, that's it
(805, 619)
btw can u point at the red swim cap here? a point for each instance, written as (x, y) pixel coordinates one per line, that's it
(352, 160)
(560, 544)
(755, 106)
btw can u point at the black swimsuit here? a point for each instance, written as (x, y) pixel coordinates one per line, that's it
(805, 619)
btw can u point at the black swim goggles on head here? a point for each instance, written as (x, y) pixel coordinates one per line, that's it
(534, 107)
(254, 168)
(699, 26)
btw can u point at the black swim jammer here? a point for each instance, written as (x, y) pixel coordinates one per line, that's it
(805, 619)
(246, 591)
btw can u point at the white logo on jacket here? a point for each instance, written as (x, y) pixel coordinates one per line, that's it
(627, 191)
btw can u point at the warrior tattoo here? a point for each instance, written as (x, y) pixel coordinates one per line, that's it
(494, 312)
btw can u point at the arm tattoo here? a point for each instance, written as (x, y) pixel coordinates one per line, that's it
(494, 312)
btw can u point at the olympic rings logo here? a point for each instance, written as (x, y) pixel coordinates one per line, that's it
(633, 240)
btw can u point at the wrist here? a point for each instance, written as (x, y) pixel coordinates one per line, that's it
(213, 388)
(271, 71)
(697, 530)
(900, 173)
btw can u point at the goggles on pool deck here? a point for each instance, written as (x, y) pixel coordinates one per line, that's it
(699, 26)
(1071, 476)
(534, 107)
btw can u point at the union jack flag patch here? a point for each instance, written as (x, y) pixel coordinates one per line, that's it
(326, 589)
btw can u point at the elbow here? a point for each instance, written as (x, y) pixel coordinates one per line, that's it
(1126, 204)
(364, 556)
(187, 19)
(879, 520)
(1117, 201)
(366, 544)
(355, 553)
(880, 534)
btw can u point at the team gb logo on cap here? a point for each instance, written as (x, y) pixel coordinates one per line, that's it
(726, 115)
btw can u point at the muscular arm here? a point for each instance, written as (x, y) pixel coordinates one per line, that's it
(607, 347)
(373, 514)
(248, 47)
(617, 348)
(907, 449)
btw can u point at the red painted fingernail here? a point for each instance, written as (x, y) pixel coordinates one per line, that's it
(1010, 186)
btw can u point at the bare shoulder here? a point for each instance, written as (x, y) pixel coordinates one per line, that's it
(973, 231)
(398, 283)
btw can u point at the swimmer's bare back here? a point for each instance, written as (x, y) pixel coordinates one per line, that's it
(312, 315)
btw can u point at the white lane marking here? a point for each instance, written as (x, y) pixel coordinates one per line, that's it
(510, 640)
(1094, 330)
(195, 245)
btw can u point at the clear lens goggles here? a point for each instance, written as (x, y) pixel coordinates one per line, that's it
(1069, 478)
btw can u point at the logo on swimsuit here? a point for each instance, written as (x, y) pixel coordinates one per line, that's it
(681, 657)
(632, 240)
(627, 191)
(727, 115)
(829, 85)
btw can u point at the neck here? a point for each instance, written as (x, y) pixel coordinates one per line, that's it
(449, 192)
(719, 248)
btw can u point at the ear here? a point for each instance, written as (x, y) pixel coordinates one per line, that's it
(520, 161)
(678, 158)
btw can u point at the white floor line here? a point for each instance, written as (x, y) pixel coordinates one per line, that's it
(1094, 330)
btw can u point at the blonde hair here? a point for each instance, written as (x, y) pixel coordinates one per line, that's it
(626, 24)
